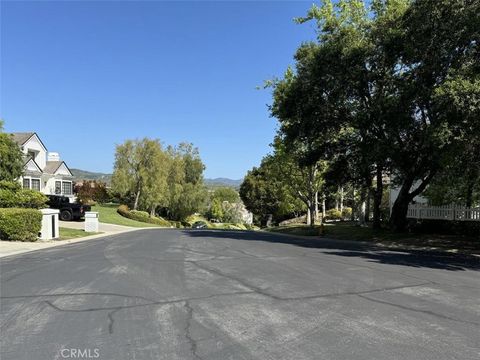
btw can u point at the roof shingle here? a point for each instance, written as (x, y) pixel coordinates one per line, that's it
(21, 137)
(52, 167)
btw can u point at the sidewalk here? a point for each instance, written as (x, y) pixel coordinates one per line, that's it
(8, 248)
(107, 229)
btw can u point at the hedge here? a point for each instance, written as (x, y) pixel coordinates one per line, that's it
(142, 216)
(20, 224)
(13, 196)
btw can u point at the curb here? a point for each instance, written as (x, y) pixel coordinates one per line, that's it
(56, 243)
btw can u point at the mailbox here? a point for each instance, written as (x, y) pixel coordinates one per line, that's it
(50, 227)
(91, 221)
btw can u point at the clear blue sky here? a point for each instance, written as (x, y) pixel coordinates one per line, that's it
(88, 75)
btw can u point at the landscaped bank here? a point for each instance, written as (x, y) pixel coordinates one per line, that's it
(350, 231)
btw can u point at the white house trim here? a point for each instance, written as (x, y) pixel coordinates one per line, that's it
(43, 171)
(32, 167)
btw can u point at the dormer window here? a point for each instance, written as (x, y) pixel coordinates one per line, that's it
(32, 154)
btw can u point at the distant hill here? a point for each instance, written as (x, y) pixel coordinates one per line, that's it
(223, 182)
(90, 175)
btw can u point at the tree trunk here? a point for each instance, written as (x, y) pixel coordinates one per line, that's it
(137, 197)
(312, 211)
(377, 199)
(324, 205)
(336, 199)
(354, 210)
(316, 205)
(362, 207)
(367, 210)
(309, 215)
(152, 211)
(341, 199)
(398, 217)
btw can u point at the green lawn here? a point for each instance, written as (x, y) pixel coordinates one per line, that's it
(108, 214)
(349, 231)
(66, 233)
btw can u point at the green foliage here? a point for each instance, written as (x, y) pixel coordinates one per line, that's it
(167, 181)
(263, 192)
(226, 194)
(92, 191)
(232, 212)
(13, 196)
(347, 213)
(186, 193)
(333, 214)
(11, 158)
(20, 224)
(108, 214)
(191, 219)
(216, 210)
(139, 172)
(142, 216)
(10, 185)
(225, 205)
(389, 86)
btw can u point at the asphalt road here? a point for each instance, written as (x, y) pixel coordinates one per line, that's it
(168, 294)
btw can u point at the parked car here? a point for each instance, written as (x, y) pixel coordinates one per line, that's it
(68, 211)
(199, 225)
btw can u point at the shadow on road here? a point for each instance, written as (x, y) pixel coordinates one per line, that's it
(372, 252)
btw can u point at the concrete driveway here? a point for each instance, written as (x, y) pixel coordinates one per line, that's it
(8, 248)
(102, 227)
(170, 294)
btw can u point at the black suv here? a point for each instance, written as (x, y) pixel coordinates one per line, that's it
(68, 211)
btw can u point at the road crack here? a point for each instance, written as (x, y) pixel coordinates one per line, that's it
(427, 312)
(188, 330)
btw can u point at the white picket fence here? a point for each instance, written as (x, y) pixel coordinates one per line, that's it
(448, 212)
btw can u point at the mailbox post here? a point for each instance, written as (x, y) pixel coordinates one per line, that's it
(50, 227)
(91, 221)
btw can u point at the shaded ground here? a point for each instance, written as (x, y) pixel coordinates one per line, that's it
(348, 231)
(167, 294)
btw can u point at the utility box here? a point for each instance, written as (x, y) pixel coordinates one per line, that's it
(50, 227)
(91, 221)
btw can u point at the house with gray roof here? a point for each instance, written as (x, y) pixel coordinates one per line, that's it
(44, 171)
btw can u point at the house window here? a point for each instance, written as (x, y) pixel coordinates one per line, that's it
(26, 183)
(67, 187)
(36, 184)
(32, 154)
(58, 187)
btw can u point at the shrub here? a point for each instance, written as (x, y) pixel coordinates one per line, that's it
(177, 224)
(347, 213)
(430, 226)
(13, 196)
(142, 216)
(298, 220)
(10, 185)
(20, 224)
(333, 214)
(190, 220)
(92, 191)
